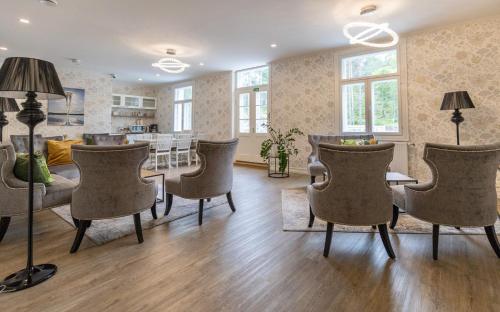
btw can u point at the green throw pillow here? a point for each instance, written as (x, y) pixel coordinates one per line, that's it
(41, 172)
(349, 142)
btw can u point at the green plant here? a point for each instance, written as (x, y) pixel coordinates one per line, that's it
(284, 142)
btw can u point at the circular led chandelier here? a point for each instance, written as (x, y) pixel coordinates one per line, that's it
(371, 30)
(171, 65)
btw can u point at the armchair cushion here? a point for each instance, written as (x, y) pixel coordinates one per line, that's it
(398, 195)
(316, 168)
(59, 192)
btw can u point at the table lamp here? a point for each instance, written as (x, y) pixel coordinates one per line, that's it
(29, 78)
(6, 105)
(455, 101)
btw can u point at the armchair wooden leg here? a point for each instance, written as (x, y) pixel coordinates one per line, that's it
(153, 211)
(382, 228)
(76, 222)
(395, 216)
(209, 200)
(374, 227)
(82, 227)
(138, 227)
(230, 201)
(313, 179)
(492, 237)
(200, 212)
(328, 240)
(311, 217)
(4, 225)
(435, 241)
(170, 200)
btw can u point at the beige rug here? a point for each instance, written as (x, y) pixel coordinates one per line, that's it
(104, 231)
(295, 212)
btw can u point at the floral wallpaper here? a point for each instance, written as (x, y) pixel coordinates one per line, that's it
(302, 95)
(98, 91)
(465, 56)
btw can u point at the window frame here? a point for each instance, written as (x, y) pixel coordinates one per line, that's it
(252, 96)
(183, 102)
(400, 76)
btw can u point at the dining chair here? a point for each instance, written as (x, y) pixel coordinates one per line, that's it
(162, 147)
(183, 147)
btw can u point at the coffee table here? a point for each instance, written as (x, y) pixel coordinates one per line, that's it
(153, 174)
(396, 177)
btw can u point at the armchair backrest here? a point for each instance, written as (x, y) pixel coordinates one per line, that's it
(110, 181)
(464, 177)
(108, 139)
(356, 192)
(215, 176)
(21, 143)
(316, 139)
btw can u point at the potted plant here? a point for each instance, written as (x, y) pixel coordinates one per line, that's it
(280, 145)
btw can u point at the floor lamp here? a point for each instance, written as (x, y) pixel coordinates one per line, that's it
(22, 77)
(456, 101)
(6, 105)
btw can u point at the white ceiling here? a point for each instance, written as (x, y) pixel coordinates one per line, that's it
(126, 36)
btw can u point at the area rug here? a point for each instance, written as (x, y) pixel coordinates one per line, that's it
(295, 213)
(104, 231)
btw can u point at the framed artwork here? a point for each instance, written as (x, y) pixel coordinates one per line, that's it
(69, 111)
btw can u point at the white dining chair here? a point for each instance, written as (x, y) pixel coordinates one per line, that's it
(183, 147)
(162, 147)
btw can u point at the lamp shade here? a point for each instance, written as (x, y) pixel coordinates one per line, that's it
(20, 75)
(456, 100)
(8, 105)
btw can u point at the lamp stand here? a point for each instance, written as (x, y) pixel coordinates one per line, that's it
(3, 123)
(32, 275)
(457, 119)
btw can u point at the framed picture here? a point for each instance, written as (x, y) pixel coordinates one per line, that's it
(69, 111)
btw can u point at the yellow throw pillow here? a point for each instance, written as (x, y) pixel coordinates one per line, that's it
(59, 152)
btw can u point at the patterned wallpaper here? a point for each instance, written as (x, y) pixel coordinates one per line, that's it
(459, 57)
(302, 95)
(97, 106)
(212, 101)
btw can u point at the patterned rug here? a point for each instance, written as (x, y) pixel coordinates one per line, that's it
(295, 212)
(104, 231)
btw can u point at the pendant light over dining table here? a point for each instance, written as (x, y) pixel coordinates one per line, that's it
(170, 64)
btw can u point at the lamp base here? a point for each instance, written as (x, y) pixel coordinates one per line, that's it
(19, 280)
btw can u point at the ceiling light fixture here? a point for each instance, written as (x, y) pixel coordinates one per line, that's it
(140, 79)
(49, 2)
(202, 64)
(274, 45)
(171, 65)
(368, 10)
(3, 48)
(24, 21)
(157, 75)
(371, 30)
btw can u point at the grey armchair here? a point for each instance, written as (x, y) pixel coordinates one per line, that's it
(462, 191)
(213, 178)
(359, 193)
(110, 186)
(14, 192)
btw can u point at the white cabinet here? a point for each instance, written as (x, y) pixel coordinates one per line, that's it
(133, 101)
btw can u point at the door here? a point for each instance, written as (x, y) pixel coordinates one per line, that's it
(252, 116)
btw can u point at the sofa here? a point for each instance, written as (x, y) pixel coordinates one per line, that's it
(314, 167)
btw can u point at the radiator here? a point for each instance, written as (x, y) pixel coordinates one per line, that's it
(400, 160)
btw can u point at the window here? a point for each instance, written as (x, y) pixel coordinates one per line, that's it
(183, 108)
(252, 100)
(369, 88)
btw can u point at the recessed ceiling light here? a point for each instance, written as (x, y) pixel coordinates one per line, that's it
(49, 2)
(202, 64)
(3, 48)
(24, 21)
(274, 45)
(157, 75)
(368, 10)
(140, 79)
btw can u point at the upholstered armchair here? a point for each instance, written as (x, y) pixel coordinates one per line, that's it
(359, 193)
(314, 166)
(110, 186)
(462, 191)
(213, 178)
(14, 192)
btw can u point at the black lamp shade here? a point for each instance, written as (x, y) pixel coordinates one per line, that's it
(456, 100)
(8, 105)
(20, 75)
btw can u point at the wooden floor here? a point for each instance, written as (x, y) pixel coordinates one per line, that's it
(243, 261)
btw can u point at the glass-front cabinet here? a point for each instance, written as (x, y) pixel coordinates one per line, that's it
(133, 101)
